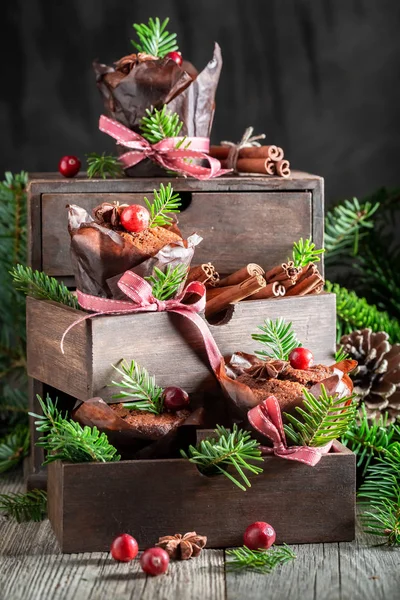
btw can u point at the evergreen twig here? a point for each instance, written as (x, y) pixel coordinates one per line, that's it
(304, 253)
(341, 354)
(14, 448)
(30, 506)
(65, 439)
(165, 201)
(278, 338)
(103, 165)
(259, 561)
(157, 125)
(39, 285)
(139, 387)
(229, 449)
(165, 285)
(323, 419)
(154, 39)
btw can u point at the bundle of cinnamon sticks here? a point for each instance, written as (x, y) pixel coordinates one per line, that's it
(267, 160)
(251, 282)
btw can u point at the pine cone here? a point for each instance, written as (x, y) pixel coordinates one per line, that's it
(377, 377)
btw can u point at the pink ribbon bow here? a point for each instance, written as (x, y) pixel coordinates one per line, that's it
(141, 299)
(164, 152)
(266, 418)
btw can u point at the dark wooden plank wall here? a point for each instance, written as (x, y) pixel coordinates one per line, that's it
(317, 77)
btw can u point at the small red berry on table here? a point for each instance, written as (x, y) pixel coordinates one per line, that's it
(176, 57)
(69, 166)
(154, 561)
(259, 535)
(135, 218)
(301, 358)
(175, 398)
(124, 548)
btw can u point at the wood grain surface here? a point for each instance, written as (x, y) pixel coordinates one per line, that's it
(85, 370)
(32, 568)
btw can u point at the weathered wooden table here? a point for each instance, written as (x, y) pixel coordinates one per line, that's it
(31, 567)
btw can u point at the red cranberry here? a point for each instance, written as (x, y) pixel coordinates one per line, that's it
(135, 218)
(69, 166)
(154, 561)
(301, 358)
(175, 398)
(176, 57)
(124, 548)
(259, 535)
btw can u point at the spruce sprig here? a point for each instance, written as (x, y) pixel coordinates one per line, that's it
(65, 439)
(165, 285)
(157, 125)
(278, 338)
(154, 39)
(355, 313)
(39, 285)
(370, 439)
(140, 387)
(234, 448)
(304, 253)
(323, 419)
(165, 201)
(30, 506)
(14, 447)
(259, 561)
(346, 225)
(103, 165)
(341, 354)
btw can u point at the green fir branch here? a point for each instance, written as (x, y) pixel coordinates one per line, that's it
(14, 447)
(165, 201)
(13, 405)
(39, 285)
(346, 225)
(138, 386)
(258, 561)
(304, 253)
(323, 419)
(369, 440)
(154, 39)
(30, 506)
(355, 313)
(341, 354)
(166, 285)
(103, 166)
(230, 449)
(157, 125)
(278, 337)
(65, 439)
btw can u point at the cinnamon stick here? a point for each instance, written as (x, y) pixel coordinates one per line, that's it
(233, 294)
(271, 290)
(282, 168)
(241, 275)
(283, 271)
(310, 280)
(273, 152)
(203, 273)
(253, 165)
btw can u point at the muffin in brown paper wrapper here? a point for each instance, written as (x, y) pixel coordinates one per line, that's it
(139, 82)
(140, 434)
(247, 380)
(101, 251)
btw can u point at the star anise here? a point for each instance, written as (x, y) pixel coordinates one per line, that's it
(182, 547)
(267, 369)
(107, 213)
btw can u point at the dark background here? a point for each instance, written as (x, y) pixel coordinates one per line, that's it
(319, 77)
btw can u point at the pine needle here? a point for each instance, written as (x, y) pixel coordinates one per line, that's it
(341, 354)
(103, 165)
(157, 125)
(154, 39)
(165, 201)
(31, 506)
(65, 439)
(231, 449)
(259, 561)
(14, 448)
(139, 387)
(165, 285)
(323, 419)
(278, 338)
(304, 253)
(41, 286)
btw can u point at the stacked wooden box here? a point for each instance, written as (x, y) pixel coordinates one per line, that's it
(241, 220)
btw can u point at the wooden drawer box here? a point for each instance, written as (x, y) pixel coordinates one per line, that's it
(166, 344)
(242, 219)
(90, 504)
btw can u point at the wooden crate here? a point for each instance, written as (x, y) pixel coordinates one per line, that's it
(91, 503)
(167, 345)
(242, 219)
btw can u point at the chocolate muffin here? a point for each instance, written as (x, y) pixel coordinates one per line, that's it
(148, 424)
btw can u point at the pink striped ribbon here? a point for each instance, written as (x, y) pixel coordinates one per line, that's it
(266, 418)
(164, 152)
